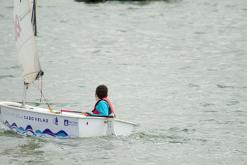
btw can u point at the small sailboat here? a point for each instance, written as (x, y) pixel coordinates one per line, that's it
(45, 122)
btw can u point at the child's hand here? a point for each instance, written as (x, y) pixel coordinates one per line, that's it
(86, 113)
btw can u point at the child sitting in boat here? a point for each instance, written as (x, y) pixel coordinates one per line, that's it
(103, 106)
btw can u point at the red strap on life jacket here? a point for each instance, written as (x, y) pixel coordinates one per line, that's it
(95, 111)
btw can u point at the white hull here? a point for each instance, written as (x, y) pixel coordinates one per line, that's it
(41, 122)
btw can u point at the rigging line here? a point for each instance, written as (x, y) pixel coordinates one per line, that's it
(41, 86)
(25, 88)
(43, 96)
(41, 89)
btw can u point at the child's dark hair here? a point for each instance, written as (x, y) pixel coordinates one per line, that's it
(101, 91)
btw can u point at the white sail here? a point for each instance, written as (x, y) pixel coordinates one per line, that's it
(25, 41)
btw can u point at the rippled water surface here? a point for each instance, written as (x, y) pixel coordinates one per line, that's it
(177, 68)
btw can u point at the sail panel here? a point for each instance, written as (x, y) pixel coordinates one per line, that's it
(31, 62)
(25, 41)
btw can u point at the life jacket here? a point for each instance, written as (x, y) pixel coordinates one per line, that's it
(111, 109)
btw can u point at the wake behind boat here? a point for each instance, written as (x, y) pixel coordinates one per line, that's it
(36, 121)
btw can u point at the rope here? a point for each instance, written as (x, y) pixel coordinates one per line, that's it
(42, 95)
(24, 94)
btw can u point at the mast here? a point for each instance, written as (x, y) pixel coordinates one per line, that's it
(34, 20)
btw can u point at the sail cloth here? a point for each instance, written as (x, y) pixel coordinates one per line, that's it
(25, 41)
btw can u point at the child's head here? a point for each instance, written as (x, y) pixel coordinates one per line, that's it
(101, 91)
